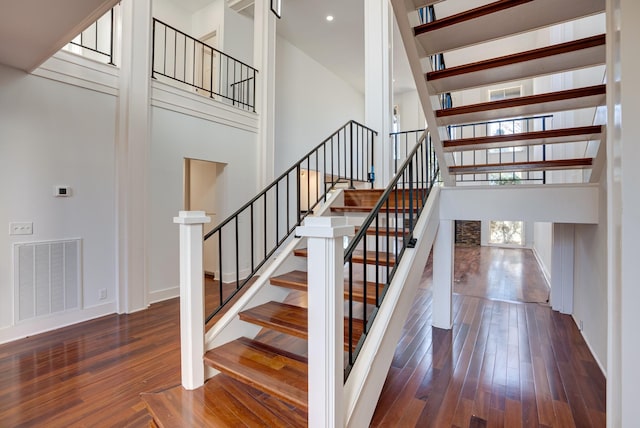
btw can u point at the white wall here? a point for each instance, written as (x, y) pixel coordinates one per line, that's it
(311, 103)
(209, 19)
(542, 242)
(590, 280)
(176, 136)
(45, 142)
(410, 109)
(171, 13)
(238, 36)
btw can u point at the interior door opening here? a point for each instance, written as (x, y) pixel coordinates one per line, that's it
(204, 191)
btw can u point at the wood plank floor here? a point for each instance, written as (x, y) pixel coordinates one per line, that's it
(504, 364)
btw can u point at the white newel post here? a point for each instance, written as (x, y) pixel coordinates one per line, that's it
(191, 297)
(326, 317)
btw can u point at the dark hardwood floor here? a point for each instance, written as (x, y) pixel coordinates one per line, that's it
(504, 364)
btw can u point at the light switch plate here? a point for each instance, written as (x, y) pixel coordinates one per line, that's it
(24, 228)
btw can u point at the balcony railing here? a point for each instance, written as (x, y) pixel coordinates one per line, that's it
(97, 41)
(208, 71)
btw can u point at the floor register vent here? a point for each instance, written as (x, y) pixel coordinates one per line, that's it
(47, 278)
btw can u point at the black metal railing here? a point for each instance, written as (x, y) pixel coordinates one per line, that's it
(246, 240)
(182, 58)
(504, 154)
(382, 240)
(404, 141)
(97, 41)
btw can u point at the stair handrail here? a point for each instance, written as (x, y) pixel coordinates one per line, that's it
(423, 158)
(354, 141)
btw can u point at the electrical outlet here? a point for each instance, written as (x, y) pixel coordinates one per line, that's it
(581, 325)
(25, 228)
(102, 293)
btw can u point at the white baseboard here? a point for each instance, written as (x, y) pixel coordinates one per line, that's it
(586, 340)
(166, 294)
(542, 266)
(53, 322)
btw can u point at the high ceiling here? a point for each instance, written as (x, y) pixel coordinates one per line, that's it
(339, 44)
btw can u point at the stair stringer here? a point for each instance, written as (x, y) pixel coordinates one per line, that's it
(419, 69)
(229, 327)
(367, 377)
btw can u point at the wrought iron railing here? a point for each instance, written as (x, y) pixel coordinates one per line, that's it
(97, 40)
(403, 142)
(382, 240)
(181, 58)
(246, 240)
(504, 154)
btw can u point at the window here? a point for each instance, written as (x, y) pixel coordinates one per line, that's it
(506, 233)
(505, 127)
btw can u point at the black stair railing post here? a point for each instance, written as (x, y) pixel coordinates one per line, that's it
(153, 49)
(111, 38)
(298, 206)
(351, 186)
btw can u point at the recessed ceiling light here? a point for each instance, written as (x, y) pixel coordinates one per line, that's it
(329, 18)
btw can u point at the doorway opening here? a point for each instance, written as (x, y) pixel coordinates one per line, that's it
(204, 191)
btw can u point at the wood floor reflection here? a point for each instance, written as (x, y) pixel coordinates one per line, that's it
(504, 364)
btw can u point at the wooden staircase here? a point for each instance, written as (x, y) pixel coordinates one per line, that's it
(497, 21)
(270, 366)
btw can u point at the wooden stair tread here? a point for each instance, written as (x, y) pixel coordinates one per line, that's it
(552, 136)
(497, 20)
(383, 231)
(359, 256)
(370, 197)
(285, 318)
(557, 58)
(548, 165)
(271, 370)
(384, 210)
(293, 320)
(570, 99)
(297, 280)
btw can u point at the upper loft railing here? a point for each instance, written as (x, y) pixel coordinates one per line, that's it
(502, 155)
(246, 240)
(97, 40)
(208, 71)
(390, 227)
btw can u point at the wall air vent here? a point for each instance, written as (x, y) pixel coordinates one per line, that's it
(47, 278)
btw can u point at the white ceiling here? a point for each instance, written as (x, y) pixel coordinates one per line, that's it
(338, 45)
(31, 31)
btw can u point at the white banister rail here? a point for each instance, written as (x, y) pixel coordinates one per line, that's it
(326, 318)
(191, 297)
